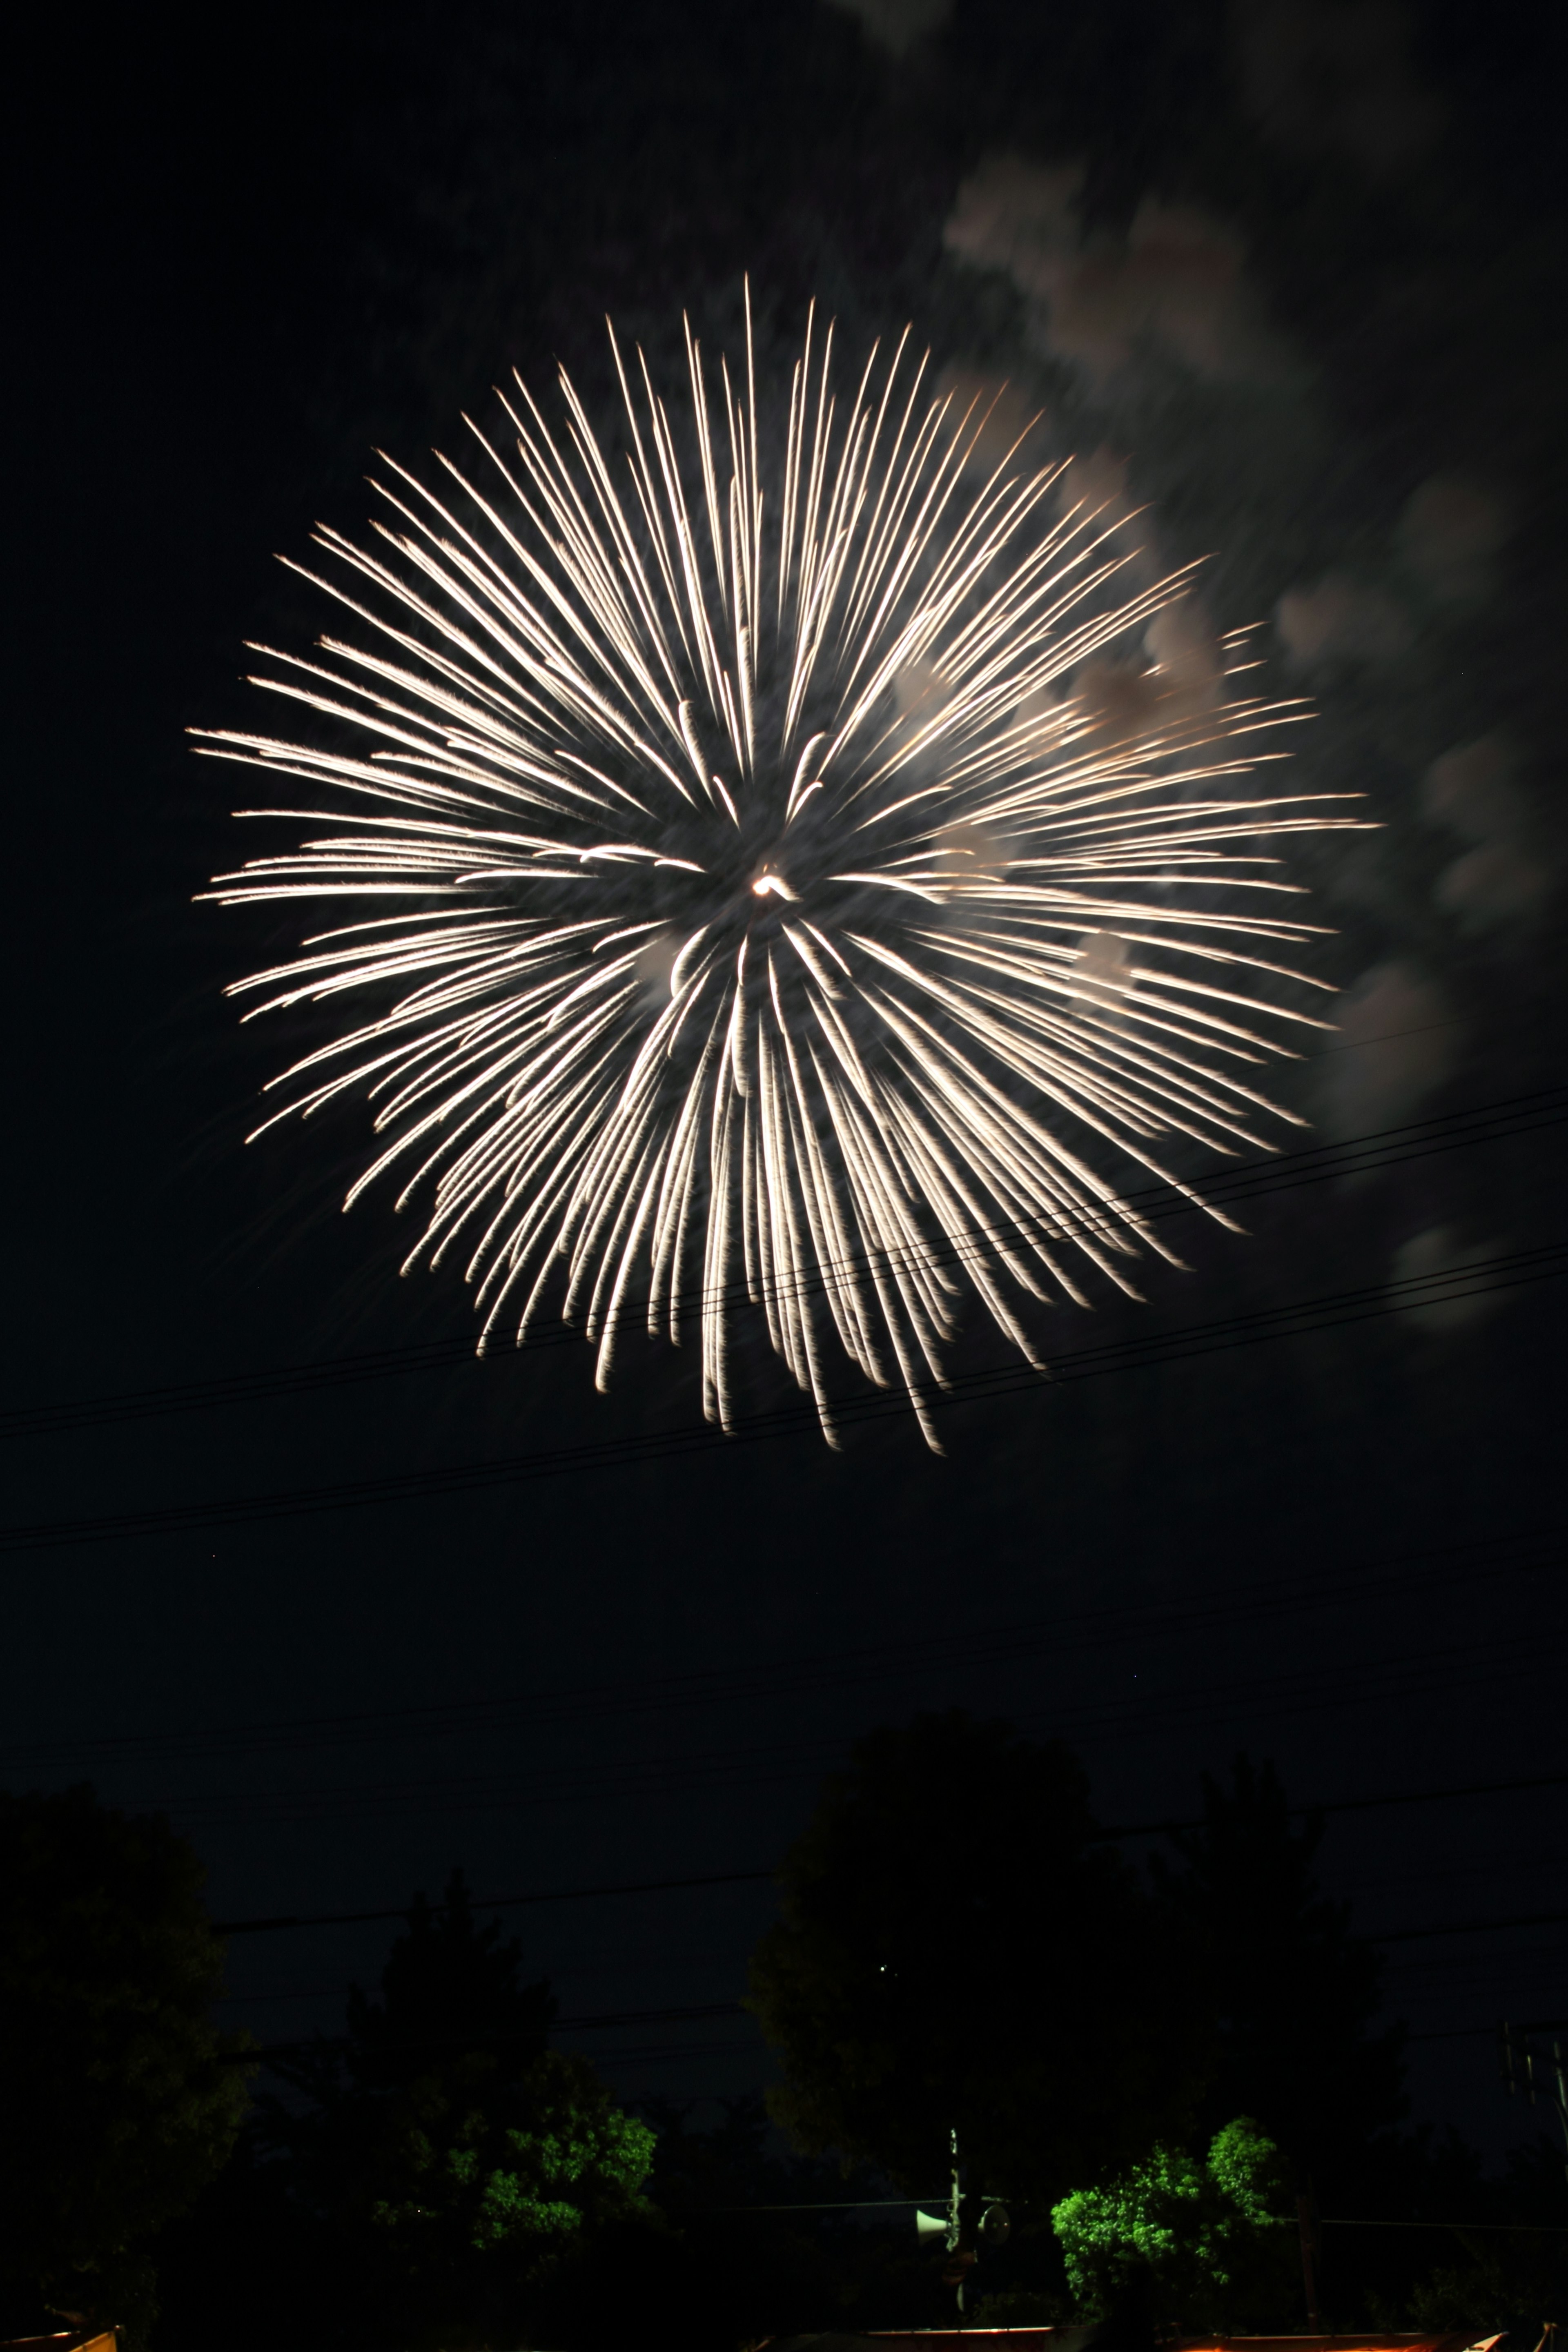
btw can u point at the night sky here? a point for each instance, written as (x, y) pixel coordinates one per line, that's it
(1290, 275)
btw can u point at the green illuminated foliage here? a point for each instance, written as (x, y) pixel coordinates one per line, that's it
(1208, 2244)
(455, 2167)
(532, 2187)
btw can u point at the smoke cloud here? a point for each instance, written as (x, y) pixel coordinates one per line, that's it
(1326, 74)
(1501, 878)
(1175, 283)
(897, 25)
(1341, 620)
(1450, 535)
(1438, 1249)
(1398, 1042)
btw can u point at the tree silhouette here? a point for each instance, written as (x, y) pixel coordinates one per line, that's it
(1295, 1991)
(121, 2101)
(955, 1952)
(451, 2162)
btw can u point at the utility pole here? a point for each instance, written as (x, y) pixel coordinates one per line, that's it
(1527, 2069)
(995, 2226)
(961, 2259)
(1311, 2248)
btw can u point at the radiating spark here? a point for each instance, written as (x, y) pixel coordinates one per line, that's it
(773, 920)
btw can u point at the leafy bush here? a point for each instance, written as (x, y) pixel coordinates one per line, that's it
(1206, 2244)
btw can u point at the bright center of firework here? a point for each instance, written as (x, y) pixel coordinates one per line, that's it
(601, 704)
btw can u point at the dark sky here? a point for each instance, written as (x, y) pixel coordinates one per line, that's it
(246, 251)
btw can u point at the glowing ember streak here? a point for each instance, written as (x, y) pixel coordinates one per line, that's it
(776, 909)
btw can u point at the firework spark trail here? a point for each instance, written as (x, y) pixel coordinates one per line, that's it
(775, 906)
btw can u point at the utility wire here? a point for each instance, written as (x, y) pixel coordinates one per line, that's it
(1326, 2221)
(751, 1878)
(1366, 1577)
(491, 1902)
(1142, 1712)
(1367, 1804)
(1289, 1320)
(1430, 1574)
(1443, 1573)
(1482, 1123)
(1525, 2229)
(599, 2021)
(841, 2205)
(1464, 2033)
(1430, 1571)
(1471, 1928)
(701, 2011)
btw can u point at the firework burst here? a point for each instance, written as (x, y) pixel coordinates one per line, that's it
(760, 893)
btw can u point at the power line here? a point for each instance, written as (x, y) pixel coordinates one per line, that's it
(1413, 1673)
(491, 1902)
(603, 2019)
(660, 2052)
(1431, 1570)
(1482, 1123)
(1408, 1675)
(1471, 1927)
(842, 2205)
(751, 1878)
(1366, 1804)
(600, 2021)
(1489, 2032)
(1326, 2221)
(1410, 1672)
(709, 2048)
(1074, 1631)
(1291, 1319)
(1524, 2228)
(701, 2011)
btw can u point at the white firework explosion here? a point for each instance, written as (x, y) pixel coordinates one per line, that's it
(775, 912)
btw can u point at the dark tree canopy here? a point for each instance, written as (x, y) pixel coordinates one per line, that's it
(449, 1988)
(446, 2160)
(1296, 1992)
(956, 1952)
(119, 2104)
